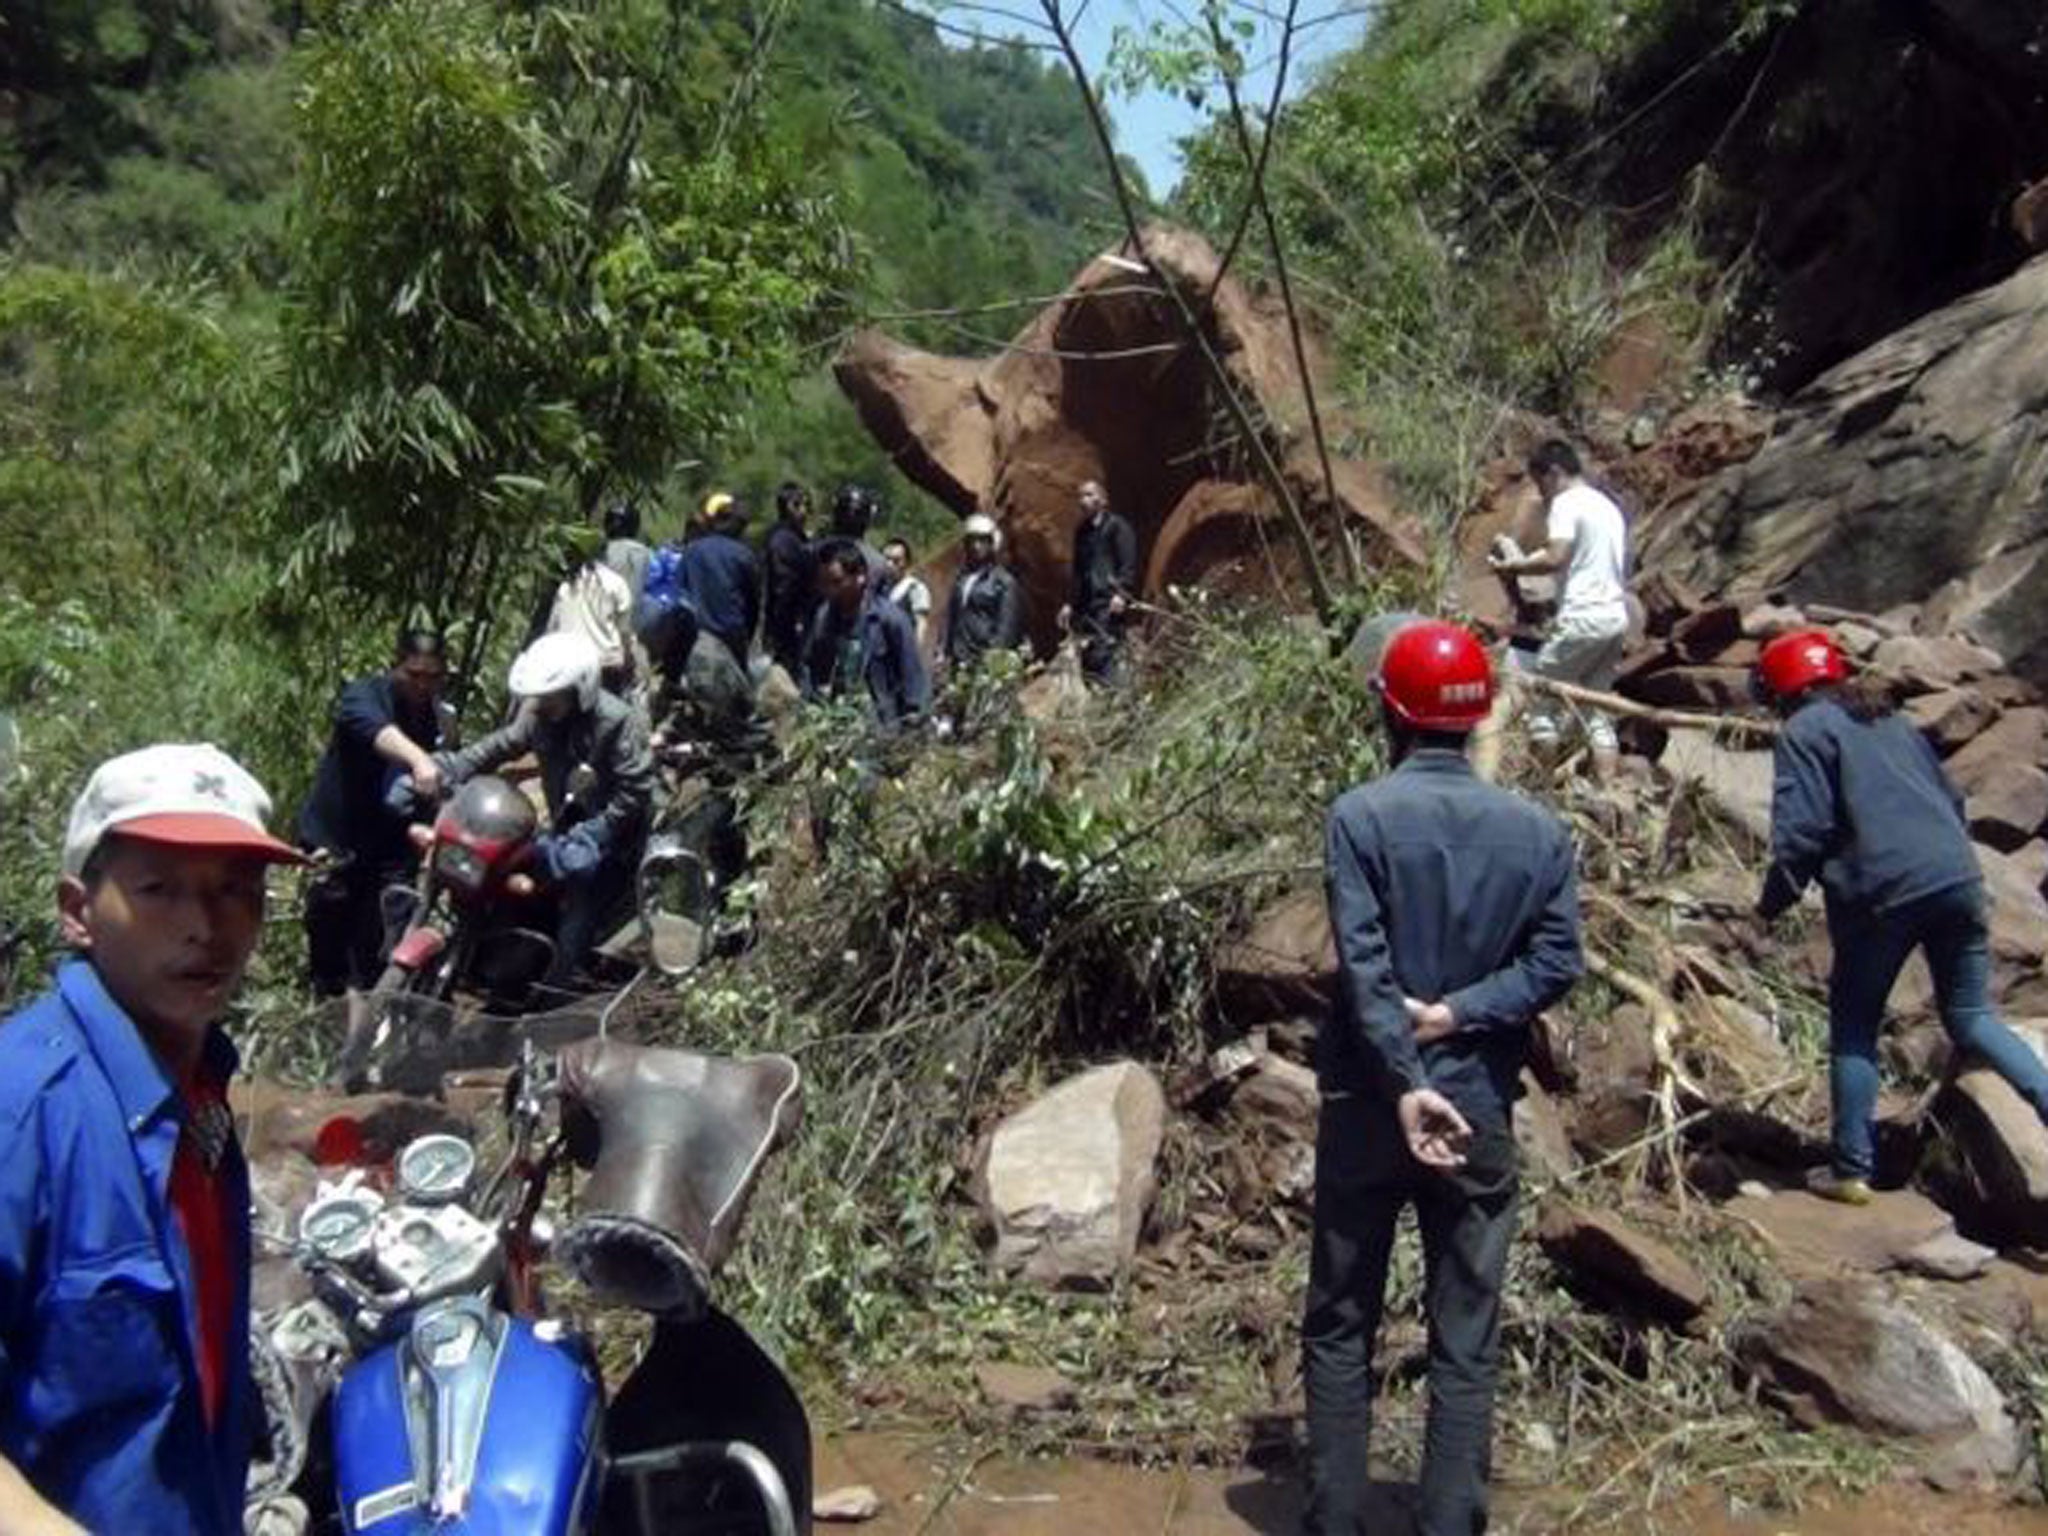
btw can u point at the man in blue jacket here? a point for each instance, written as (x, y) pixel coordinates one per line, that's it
(125, 1396)
(1455, 910)
(723, 577)
(859, 639)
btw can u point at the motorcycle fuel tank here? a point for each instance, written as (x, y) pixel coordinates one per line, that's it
(474, 1422)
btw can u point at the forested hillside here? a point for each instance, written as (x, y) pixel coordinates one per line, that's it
(318, 316)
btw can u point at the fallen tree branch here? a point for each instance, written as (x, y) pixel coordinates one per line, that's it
(1665, 1026)
(1615, 704)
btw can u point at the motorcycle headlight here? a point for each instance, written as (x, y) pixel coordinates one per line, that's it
(459, 866)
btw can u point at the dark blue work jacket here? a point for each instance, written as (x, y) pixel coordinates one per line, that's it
(346, 810)
(100, 1404)
(1866, 806)
(723, 579)
(1444, 888)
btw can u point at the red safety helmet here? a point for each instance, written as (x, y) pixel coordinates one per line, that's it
(1434, 676)
(1791, 664)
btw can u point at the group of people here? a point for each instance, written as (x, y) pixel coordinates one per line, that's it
(125, 1243)
(1454, 909)
(637, 647)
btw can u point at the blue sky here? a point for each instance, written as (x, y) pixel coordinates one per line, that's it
(1148, 125)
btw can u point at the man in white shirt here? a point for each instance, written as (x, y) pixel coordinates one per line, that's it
(595, 602)
(1586, 549)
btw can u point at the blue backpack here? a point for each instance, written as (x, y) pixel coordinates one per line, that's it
(666, 615)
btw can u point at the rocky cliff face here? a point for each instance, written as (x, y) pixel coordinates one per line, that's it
(1914, 472)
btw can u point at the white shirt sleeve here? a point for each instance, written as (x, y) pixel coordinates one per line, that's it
(1562, 521)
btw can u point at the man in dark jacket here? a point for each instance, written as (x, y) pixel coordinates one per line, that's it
(986, 610)
(1104, 582)
(786, 558)
(722, 576)
(385, 726)
(1455, 910)
(597, 772)
(859, 639)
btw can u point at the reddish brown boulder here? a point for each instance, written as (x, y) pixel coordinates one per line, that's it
(1711, 690)
(1704, 635)
(1103, 385)
(1843, 1352)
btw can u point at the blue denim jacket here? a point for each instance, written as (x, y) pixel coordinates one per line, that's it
(100, 1403)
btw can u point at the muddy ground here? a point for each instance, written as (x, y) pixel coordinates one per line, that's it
(933, 1486)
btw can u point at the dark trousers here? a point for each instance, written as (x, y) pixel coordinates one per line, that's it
(1102, 648)
(345, 925)
(1870, 950)
(1468, 1223)
(592, 906)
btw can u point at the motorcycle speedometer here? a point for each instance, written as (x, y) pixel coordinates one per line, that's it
(459, 865)
(434, 1170)
(338, 1226)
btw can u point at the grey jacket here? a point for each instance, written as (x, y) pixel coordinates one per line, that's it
(611, 737)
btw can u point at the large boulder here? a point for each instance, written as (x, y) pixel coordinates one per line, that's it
(1103, 384)
(1912, 472)
(1991, 1161)
(1738, 780)
(1065, 1182)
(1842, 1352)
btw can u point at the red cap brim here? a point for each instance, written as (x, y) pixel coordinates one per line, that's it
(203, 829)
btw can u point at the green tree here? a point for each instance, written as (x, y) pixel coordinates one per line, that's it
(510, 291)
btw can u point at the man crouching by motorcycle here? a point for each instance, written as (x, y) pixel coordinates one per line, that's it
(598, 776)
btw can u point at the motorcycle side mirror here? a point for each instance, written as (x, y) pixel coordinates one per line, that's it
(677, 905)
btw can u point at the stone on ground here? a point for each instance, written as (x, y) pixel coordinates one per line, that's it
(1067, 1180)
(1286, 964)
(1619, 1266)
(1843, 1352)
(1024, 1388)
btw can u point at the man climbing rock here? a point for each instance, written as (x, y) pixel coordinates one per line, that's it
(1587, 550)
(1104, 581)
(1860, 801)
(1455, 910)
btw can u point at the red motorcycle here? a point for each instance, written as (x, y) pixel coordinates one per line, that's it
(475, 922)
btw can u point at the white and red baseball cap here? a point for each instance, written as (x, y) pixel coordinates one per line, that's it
(190, 794)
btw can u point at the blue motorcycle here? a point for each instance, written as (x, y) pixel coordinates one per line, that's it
(462, 1405)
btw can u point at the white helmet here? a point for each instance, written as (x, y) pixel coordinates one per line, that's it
(981, 526)
(555, 662)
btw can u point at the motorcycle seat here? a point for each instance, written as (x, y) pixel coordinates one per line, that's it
(675, 1142)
